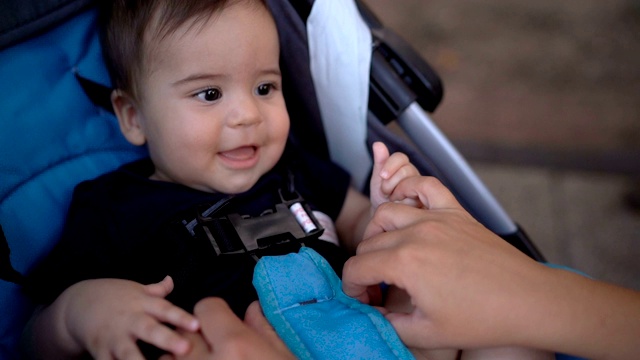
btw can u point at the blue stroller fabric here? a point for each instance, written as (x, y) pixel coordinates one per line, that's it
(48, 144)
(302, 298)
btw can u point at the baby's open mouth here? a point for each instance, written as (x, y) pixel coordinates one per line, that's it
(241, 153)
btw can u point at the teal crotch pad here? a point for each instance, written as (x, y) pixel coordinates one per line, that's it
(302, 298)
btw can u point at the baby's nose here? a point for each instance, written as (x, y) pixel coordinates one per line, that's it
(246, 113)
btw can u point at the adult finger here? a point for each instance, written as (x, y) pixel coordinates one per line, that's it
(368, 269)
(428, 190)
(414, 332)
(226, 323)
(255, 319)
(393, 216)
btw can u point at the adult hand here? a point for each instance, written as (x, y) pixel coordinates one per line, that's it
(224, 336)
(471, 289)
(460, 276)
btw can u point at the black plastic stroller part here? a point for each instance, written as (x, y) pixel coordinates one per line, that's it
(392, 52)
(415, 73)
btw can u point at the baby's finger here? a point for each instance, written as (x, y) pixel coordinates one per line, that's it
(406, 171)
(380, 153)
(152, 332)
(127, 350)
(380, 156)
(160, 289)
(166, 312)
(102, 355)
(394, 163)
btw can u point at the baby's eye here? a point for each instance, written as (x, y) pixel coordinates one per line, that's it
(209, 95)
(264, 89)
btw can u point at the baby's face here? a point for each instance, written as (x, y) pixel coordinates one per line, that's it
(211, 104)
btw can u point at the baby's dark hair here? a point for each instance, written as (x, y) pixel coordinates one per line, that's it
(128, 25)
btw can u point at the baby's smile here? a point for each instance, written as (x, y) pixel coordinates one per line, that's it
(241, 157)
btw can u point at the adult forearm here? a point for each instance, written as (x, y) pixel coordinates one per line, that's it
(584, 317)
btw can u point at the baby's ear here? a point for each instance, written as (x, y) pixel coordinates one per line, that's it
(128, 114)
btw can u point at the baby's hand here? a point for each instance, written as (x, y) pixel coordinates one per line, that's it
(388, 171)
(108, 316)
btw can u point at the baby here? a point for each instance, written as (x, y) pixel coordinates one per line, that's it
(198, 83)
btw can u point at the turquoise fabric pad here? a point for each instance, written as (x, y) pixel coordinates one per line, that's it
(302, 298)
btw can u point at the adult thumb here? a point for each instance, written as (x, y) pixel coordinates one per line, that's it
(254, 318)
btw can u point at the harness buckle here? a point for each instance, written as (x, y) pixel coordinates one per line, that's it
(290, 221)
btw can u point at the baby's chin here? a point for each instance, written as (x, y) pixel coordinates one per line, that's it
(229, 187)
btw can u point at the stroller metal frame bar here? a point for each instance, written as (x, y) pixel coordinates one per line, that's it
(454, 169)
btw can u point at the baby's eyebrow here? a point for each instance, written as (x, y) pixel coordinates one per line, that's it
(197, 77)
(274, 71)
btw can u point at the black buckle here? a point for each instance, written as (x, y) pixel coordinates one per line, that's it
(290, 221)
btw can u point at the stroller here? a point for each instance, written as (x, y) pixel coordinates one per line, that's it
(53, 45)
